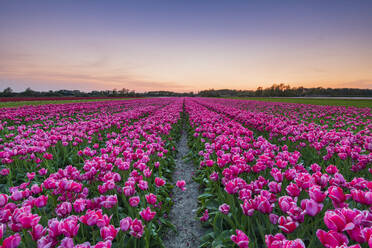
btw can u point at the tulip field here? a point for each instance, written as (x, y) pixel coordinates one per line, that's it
(99, 174)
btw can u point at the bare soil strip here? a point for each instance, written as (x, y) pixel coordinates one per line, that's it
(183, 213)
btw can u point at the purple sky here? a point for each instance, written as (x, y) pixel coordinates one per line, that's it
(184, 45)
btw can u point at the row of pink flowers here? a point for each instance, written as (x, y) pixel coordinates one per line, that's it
(351, 147)
(273, 186)
(115, 191)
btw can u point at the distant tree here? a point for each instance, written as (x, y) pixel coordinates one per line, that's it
(7, 92)
(28, 92)
(259, 91)
(124, 91)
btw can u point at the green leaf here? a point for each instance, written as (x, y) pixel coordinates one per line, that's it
(217, 224)
(212, 204)
(205, 195)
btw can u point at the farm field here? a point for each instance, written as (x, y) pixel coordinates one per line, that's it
(316, 101)
(213, 172)
(23, 101)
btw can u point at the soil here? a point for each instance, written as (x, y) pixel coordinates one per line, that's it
(183, 213)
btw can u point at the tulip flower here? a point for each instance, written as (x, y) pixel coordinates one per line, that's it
(137, 228)
(331, 239)
(69, 226)
(181, 184)
(64, 209)
(287, 225)
(205, 216)
(12, 241)
(108, 232)
(224, 208)
(241, 239)
(125, 224)
(151, 198)
(159, 182)
(311, 207)
(147, 214)
(134, 201)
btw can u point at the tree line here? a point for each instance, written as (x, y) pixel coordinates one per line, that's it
(276, 90)
(8, 92)
(283, 90)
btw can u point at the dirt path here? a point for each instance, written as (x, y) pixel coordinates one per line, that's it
(183, 213)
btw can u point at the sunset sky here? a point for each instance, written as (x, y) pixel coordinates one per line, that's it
(184, 45)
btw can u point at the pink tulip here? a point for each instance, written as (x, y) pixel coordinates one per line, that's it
(48, 156)
(134, 201)
(64, 209)
(248, 207)
(205, 216)
(241, 239)
(367, 235)
(129, 190)
(224, 208)
(91, 217)
(12, 241)
(36, 189)
(125, 224)
(143, 185)
(337, 222)
(102, 220)
(137, 228)
(110, 201)
(293, 190)
(69, 226)
(53, 228)
(331, 169)
(297, 243)
(159, 182)
(286, 203)
(43, 171)
(311, 207)
(16, 195)
(3, 200)
(46, 241)
(287, 225)
(67, 243)
(2, 230)
(108, 232)
(37, 232)
(79, 205)
(147, 214)
(316, 194)
(361, 196)
(41, 201)
(275, 187)
(273, 218)
(151, 198)
(28, 220)
(103, 244)
(263, 205)
(181, 184)
(356, 234)
(336, 194)
(275, 241)
(4, 172)
(331, 239)
(214, 176)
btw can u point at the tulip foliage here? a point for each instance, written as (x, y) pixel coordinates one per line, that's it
(99, 174)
